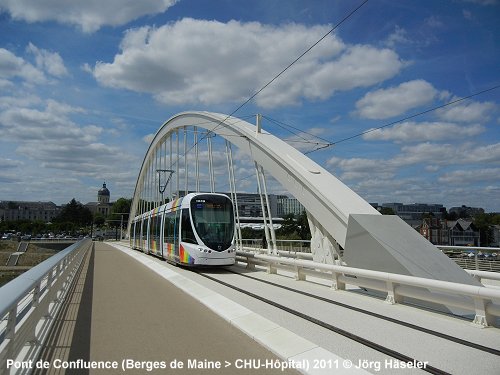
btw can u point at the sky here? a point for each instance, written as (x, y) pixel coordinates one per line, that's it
(84, 85)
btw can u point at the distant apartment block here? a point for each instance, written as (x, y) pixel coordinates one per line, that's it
(413, 213)
(465, 211)
(287, 206)
(23, 210)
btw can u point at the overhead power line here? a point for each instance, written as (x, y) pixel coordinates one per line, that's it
(221, 123)
(333, 143)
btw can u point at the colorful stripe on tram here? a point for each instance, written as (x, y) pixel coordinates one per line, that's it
(184, 256)
(169, 254)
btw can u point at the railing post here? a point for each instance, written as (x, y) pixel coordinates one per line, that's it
(392, 297)
(10, 333)
(36, 293)
(271, 268)
(337, 284)
(250, 265)
(299, 274)
(482, 319)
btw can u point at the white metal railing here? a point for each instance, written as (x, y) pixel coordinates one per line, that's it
(30, 302)
(302, 249)
(483, 301)
(290, 246)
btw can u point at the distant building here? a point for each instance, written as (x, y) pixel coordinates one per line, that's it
(288, 206)
(249, 204)
(23, 210)
(463, 233)
(103, 205)
(435, 230)
(465, 211)
(496, 236)
(414, 213)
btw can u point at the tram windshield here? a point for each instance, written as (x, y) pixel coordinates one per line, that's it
(213, 220)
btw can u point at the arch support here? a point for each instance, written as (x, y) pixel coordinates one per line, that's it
(340, 220)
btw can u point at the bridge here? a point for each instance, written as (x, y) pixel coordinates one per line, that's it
(371, 295)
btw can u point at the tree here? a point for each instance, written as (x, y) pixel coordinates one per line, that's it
(304, 231)
(387, 211)
(120, 212)
(75, 213)
(483, 223)
(99, 219)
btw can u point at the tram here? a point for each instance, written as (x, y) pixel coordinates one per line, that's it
(195, 230)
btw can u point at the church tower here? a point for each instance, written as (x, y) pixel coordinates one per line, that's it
(103, 195)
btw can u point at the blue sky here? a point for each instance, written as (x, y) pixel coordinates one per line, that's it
(83, 85)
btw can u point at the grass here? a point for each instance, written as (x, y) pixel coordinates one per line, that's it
(33, 256)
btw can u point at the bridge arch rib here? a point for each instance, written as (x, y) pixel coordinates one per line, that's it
(326, 199)
(337, 215)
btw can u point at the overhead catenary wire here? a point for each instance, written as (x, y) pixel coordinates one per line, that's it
(330, 143)
(337, 25)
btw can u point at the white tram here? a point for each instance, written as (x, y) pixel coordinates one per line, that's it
(194, 230)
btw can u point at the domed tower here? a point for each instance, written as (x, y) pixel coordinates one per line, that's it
(103, 195)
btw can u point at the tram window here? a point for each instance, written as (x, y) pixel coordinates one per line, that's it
(144, 228)
(187, 234)
(169, 227)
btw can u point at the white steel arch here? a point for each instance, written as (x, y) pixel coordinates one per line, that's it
(326, 199)
(339, 218)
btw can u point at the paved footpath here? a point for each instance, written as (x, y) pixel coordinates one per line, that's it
(120, 311)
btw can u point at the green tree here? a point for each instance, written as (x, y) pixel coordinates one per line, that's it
(99, 219)
(76, 214)
(387, 211)
(483, 222)
(120, 212)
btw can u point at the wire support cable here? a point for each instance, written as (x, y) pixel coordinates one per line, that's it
(333, 143)
(337, 25)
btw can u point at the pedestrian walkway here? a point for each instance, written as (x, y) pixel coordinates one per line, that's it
(119, 312)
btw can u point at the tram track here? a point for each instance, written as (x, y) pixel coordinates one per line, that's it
(361, 340)
(380, 316)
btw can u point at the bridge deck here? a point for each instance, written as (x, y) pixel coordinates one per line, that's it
(126, 305)
(120, 310)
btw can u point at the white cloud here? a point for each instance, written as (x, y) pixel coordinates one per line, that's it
(9, 163)
(399, 36)
(51, 62)
(89, 15)
(195, 61)
(472, 176)
(385, 103)
(467, 112)
(49, 125)
(148, 138)
(424, 131)
(12, 66)
(425, 154)
(52, 140)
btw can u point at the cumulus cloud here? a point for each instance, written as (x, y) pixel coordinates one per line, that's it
(51, 62)
(195, 61)
(12, 66)
(393, 101)
(472, 176)
(467, 112)
(89, 15)
(50, 137)
(50, 124)
(424, 131)
(432, 154)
